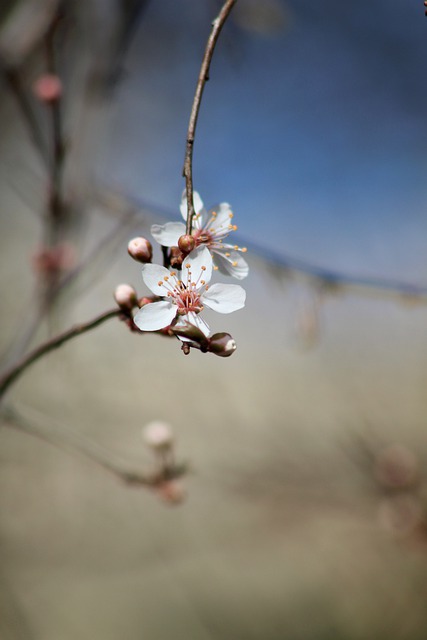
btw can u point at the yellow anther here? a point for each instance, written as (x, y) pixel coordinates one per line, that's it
(235, 227)
(243, 249)
(215, 268)
(212, 230)
(203, 268)
(160, 282)
(235, 264)
(236, 247)
(213, 214)
(166, 278)
(202, 281)
(230, 226)
(227, 255)
(230, 215)
(173, 273)
(188, 265)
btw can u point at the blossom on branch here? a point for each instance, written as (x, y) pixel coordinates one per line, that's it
(209, 229)
(184, 294)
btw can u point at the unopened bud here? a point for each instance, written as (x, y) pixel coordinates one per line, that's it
(158, 435)
(186, 243)
(222, 344)
(126, 297)
(172, 492)
(48, 88)
(140, 249)
(176, 257)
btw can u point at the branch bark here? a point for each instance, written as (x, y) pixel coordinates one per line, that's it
(217, 25)
(9, 377)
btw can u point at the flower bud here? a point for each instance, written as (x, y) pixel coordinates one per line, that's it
(186, 243)
(140, 249)
(158, 435)
(172, 492)
(126, 297)
(176, 257)
(222, 344)
(48, 88)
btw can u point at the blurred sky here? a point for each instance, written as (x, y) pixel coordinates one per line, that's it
(313, 125)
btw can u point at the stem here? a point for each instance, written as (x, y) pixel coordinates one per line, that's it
(16, 370)
(68, 440)
(14, 82)
(217, 25)
(56, 204)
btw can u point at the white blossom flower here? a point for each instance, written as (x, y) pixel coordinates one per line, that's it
(209, 229)
(186, 293)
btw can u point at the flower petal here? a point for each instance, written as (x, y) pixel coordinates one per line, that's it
(222, 220)
(193, 264)
(224, 298)
(153, 274)
(168, 234)
(155, 315)
(194, 319)
(232, 265)
(198, 208)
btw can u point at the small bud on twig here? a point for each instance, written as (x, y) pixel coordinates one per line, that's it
(222, 344)
(158, 436)
(140, 249)
(186, 244)
(48, 88)
(126, 297)
(176, 257)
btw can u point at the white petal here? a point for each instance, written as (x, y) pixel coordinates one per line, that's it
(220, 224)
(168, 234)
(155, 315)
(232, 265)
(193, 264)
(153, 274)
(194, 319)
(198, 208)
(224, 298)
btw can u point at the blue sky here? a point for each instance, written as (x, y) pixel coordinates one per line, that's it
(315, 133)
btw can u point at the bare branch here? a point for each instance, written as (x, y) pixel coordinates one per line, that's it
(217, 25)
(17, 369)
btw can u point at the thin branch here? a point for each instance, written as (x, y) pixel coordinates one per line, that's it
(17, 369)
(30, 118)
(69, 440)
(217, 25)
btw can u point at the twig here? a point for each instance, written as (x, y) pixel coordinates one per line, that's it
(14, 82)
(217, 25)
(78, 443)
(17, 369)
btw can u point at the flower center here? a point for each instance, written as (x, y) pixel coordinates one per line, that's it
(202, 236)
(185, 294)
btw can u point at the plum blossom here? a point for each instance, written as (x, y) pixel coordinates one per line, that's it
(185, 294)
(209, 229)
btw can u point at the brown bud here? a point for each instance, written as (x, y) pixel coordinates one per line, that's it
(222, 344)
(126, 297)
(186, 243)
(140, 249)
(48, 88)
(176, 257)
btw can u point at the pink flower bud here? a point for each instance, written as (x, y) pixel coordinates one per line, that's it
(140, 249)
(171, 492)
(397, 467)
(48, 88)
(158, 435)
(186, 244)
(126, 297)
(222, 344)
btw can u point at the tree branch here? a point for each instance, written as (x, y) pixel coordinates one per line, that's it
(217, 25)
(7, 378)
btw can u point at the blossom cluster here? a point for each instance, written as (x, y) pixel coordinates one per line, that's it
(181, 286)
